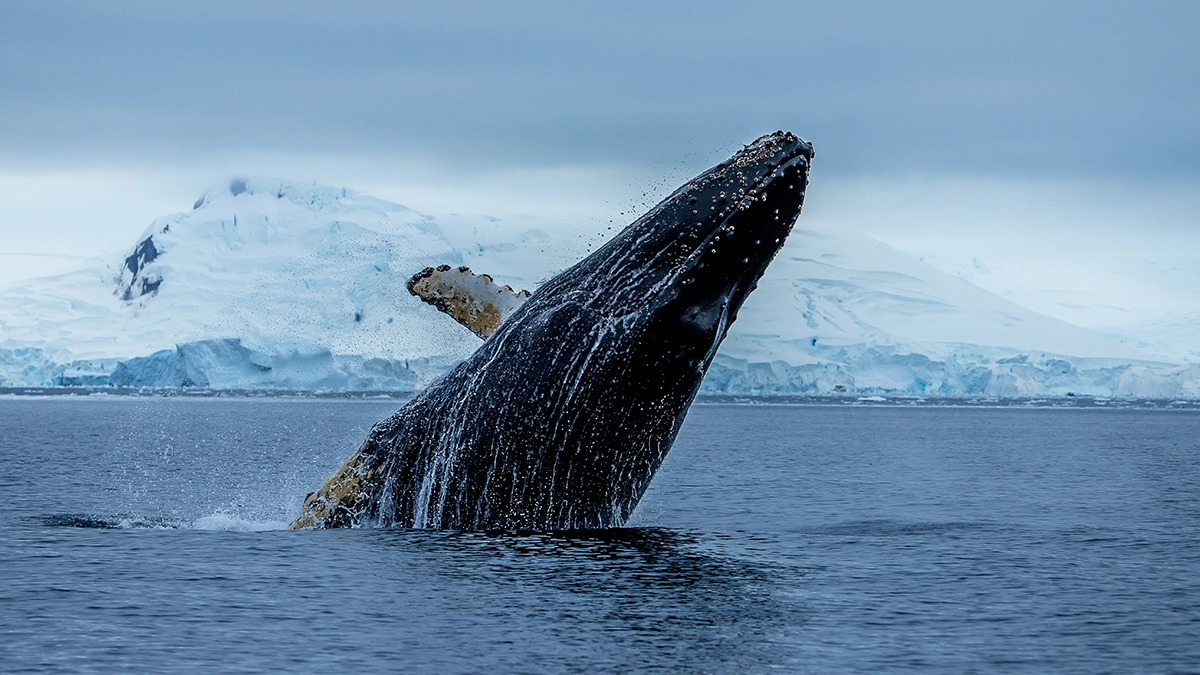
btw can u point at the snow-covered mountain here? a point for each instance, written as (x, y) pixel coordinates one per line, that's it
(295, 274)
(271, 284)
(838, 304)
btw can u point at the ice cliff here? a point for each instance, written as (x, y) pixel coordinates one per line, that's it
(270, 284)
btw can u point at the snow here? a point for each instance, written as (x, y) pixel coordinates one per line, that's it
(273, 264)
(276, 285)
(828, 290)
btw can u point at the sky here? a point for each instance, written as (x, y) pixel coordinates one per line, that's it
(1040, 149)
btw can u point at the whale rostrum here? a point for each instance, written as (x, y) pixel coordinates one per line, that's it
(562, 416)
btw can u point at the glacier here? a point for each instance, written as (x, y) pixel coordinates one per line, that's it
(278, 285)
(228, 364)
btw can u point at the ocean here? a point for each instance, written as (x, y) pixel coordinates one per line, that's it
(146, 534)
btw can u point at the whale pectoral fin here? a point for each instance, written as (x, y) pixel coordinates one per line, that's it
(343, 500)
(473, 300)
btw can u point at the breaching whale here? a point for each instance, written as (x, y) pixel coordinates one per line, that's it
(562, 416)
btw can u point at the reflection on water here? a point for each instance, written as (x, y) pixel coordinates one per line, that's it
(654, 598)
(657, 591)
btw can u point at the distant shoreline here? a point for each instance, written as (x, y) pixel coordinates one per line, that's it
(860, 399)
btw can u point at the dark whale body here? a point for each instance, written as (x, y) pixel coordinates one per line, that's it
(561, 418)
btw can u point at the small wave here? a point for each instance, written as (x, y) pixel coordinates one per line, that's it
(120, 522)
(889, 528)
(219, 521)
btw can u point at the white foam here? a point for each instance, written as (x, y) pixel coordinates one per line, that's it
(224, 522)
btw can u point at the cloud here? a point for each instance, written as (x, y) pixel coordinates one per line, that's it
(1013, 88)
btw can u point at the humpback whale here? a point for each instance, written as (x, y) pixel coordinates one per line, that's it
(562, 416)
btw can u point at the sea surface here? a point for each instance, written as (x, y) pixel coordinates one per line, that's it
(146, 535)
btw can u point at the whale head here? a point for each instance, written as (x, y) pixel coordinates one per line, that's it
(684, 268)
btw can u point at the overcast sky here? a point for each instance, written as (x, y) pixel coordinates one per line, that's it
(939, 126)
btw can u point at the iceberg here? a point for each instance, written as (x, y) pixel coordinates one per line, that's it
(228, 364)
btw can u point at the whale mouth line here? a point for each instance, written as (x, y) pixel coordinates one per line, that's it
(722, 328)
(797, 154)
(802, 153)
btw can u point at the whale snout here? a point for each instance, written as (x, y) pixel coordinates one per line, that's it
(756, 198)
